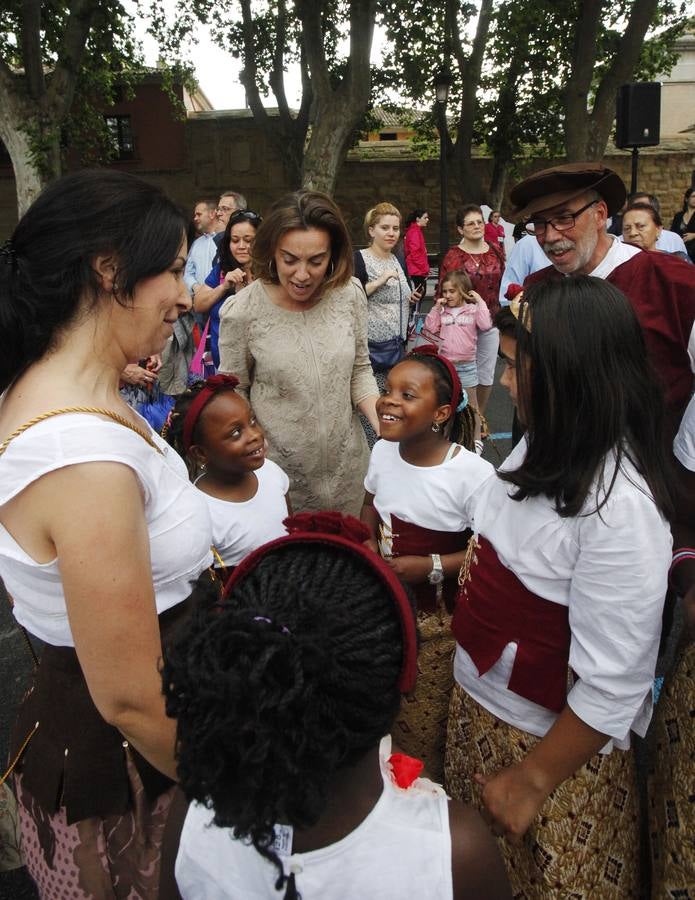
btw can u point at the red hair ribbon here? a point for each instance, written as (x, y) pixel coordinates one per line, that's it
(213, 385)
(512, 290)
(334, 529)
(431, 350)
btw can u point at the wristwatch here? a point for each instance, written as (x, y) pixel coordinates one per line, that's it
(436, 576)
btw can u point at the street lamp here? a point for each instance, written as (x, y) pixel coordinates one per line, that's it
(442, 81)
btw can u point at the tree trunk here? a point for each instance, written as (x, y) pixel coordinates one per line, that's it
(498, 182)
(324, 154)
(587, 132)
(22, 131)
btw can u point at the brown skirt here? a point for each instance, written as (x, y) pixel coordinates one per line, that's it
(111, 858)
(672, 784)
(585, 843)
(420, 729)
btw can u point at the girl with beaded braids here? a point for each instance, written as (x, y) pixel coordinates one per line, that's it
(417, 486)
(283, 692)
(214, 429)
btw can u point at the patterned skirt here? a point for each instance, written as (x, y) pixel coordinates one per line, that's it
(672, 784)
(420, 729)
(112, 858)
(585, 843)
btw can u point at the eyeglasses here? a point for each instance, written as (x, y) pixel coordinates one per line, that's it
(563, 222)
(226, 209)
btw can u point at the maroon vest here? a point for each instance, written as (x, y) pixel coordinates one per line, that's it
(414, 540)
(493, 609)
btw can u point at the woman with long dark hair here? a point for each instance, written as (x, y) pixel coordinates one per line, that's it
(559, 614)
(230, 274)
(101, 532)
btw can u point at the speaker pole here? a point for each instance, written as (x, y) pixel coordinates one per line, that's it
(635, 160)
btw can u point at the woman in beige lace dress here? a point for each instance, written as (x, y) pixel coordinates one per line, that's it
(297, 340)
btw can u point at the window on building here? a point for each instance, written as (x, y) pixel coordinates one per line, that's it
(121, 134)
(387, 135)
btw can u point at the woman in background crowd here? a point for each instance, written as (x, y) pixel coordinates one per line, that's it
(297, 340)
(684, 222)
(416, 260)
(233, 272)
(484, 264)
(494, 231)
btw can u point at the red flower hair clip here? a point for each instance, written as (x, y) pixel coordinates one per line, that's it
(405, 769)
(329, 522)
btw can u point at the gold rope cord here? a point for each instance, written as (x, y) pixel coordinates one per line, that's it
(468, 560)
(21, 750)
(97, 410)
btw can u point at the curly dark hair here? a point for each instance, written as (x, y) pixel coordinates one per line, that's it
(291, 678)
(461, 425)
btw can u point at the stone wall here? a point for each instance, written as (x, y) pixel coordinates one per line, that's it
(226, 151)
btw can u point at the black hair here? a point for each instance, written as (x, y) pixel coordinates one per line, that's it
(48, 273)
(506, 322)
(227, 260)
(461, 425)
(589, 394)
(290, 679)
(686, 197)
(415, 214)
(173, 428)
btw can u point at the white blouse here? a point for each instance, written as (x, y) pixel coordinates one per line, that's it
(610, 569)
(684, 443)
(177, 515)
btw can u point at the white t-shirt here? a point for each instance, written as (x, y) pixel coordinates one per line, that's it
(401, 849)
(177, 516)
(238, 528)
(432, 497)
(610, 570)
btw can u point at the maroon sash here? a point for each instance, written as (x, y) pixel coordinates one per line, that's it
(493, 609)
(414, 540)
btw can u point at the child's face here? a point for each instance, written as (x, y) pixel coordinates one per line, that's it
(232, 442)
(452, 295)
(409, 404)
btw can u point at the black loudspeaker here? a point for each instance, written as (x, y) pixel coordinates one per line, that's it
(638, 114)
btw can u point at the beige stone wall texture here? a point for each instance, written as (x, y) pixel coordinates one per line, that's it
(228, 152)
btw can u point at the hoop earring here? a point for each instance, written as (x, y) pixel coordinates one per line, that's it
(272, 268)
(436, 427)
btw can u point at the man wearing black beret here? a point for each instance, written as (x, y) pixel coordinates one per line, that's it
(569, 206)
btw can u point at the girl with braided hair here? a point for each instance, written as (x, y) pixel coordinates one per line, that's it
(214, 429)
(417, 486)
(283, 692)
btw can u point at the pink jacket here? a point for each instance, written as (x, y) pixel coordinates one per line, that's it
(458, 328)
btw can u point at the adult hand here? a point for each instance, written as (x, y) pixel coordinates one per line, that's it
(512, 798)
(372, 545)
(236, 278)
(135, 374)
(473, 297)
(413, 569)
(388, 275)
(154, 363)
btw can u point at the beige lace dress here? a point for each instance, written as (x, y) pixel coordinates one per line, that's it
(305, 373)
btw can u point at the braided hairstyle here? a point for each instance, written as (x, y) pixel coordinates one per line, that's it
(460, 428)
(276, 688)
